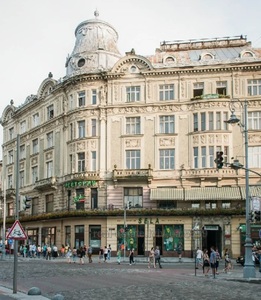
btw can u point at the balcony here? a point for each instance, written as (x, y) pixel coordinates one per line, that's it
(87, 175)
(132, 174)
(209, 173)
(46, 184)
(211, 96)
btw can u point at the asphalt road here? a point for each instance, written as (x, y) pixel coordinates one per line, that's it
(112, 281)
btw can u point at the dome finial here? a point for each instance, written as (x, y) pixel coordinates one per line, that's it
(96, 13)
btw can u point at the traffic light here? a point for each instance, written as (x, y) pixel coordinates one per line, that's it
(26, 202)
(255, 216)
(219, 159)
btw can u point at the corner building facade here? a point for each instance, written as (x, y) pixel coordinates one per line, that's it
(140, 133)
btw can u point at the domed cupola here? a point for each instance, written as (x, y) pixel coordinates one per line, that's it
(95, 48)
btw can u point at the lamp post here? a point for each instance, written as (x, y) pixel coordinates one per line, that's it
(249, 268)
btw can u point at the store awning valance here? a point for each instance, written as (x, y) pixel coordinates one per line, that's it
(213, 193)
(254, 191)
(166, 194)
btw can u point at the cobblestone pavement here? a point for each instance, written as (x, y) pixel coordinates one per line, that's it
(112, 281)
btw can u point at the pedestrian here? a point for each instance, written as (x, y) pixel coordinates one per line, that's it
(217, 260)
(39, 251)
(157, 257)
(81, 255)
(179, 251)
(228, 264)
(74, 255)
(213, 260)
(109, 252)
(24, 251)
(89, 253)
(151, 258)
(206, 263)
(131, 256)
(62, 250)
(69, 255)
(119, 256)
(199, 257)
(48, 253)
(259, 257)
(44, 249)
(105, 253)
(55, 251)
(100, 254)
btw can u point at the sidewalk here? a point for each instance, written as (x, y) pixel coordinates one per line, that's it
(235, 275)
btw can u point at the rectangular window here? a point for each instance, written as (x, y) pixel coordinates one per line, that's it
(81, 98)
(133, 197)
(225, 155)
(221, 88)
(203, 121)
(71, 131)
(11, 133)
(93, 162)
(218, 120)
(225, 118)
(167, 124)
(133, 94)
(81, 129)
(80, 199)
(133, 159)
(198, 89)
(49, 169)
(10, 156)
(10, 209)
(71, 164)
(10, 181)
(34, 174)
(81, 162)
(167, 159)
(195, 122)
(203, 157)
(35, 206)
(50, 112)
(166, 92)
(22, 127)
(211, 156)
(49, 139)
(133, 125)
(21, 179)
(211, 121)
(254, 120)
(254, 87)
(195, 205)
(254, 154)
(35, 146)
(94, 97)
(226, 204)
(67, 235)
(36, 120)
(71, 102)
(94, 129)
(22, 152)
(49, 202)
(195, 157)
(211, 205)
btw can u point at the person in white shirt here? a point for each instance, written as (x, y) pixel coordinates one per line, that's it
(199, 256)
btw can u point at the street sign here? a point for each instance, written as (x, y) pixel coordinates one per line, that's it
(17, 232)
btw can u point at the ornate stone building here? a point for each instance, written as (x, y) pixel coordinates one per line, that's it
(138, 132)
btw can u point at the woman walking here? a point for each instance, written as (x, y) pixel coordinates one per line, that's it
(152, 258)
(206, 263)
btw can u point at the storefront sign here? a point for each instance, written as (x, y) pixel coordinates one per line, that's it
(81, 183)
(148, 221)
(210, 227)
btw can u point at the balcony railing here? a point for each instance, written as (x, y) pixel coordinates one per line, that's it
(132, 174)
(86, 175)
(46, 183)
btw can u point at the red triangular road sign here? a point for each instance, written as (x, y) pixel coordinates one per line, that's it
(17, 232)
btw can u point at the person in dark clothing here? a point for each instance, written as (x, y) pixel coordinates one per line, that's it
(157, 257)
(131, 256)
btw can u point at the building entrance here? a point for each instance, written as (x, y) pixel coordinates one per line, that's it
(211, 237)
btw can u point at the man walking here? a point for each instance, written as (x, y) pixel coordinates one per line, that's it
(157, 256)
(213, 260)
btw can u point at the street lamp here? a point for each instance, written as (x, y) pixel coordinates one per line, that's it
(249, 268)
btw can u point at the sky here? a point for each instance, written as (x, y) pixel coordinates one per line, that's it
(37, 36)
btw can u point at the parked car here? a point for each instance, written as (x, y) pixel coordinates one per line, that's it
(241, 260)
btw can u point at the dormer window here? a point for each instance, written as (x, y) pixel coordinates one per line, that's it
(133, 69)
(206, 56)
(247, 54)
(169, 59)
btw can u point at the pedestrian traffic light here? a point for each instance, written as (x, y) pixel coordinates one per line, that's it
(26, 202)
(255, 216)
(219, 159)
